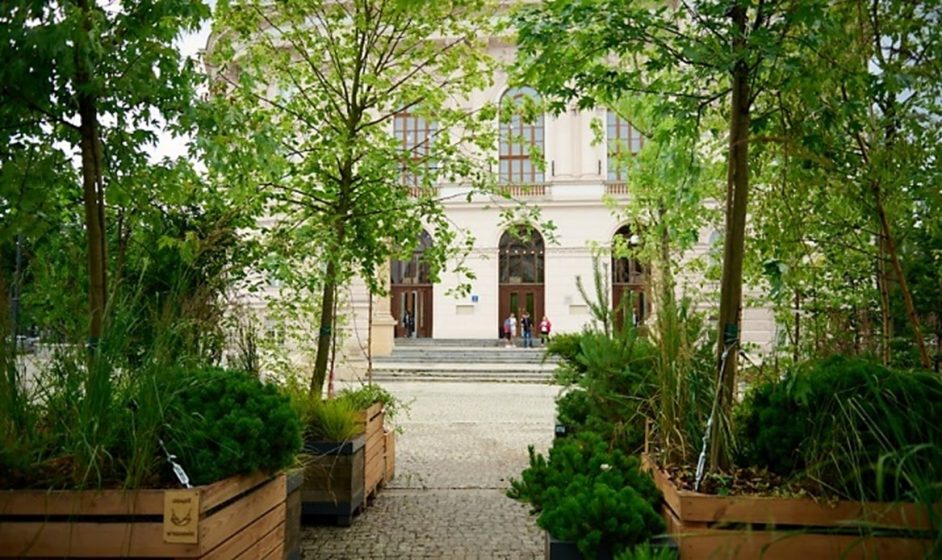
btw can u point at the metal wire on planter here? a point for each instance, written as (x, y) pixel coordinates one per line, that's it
(701, 461)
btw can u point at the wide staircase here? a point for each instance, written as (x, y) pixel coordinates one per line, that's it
(424, 359)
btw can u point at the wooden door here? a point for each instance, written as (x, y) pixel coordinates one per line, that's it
(417, 300)
(517, 298)
(639, 307)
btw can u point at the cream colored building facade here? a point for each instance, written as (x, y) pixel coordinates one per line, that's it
(571, 193)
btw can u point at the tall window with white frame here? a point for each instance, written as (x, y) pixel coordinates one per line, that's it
(623, 141)
(416, 133)
(520, 140)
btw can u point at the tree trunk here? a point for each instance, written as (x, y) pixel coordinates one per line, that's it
(900, 277)
(884, 302)
(737, 191)
(326, 330)
(92, 183)
(329, 299)
(369, 343)
(17, 292)
(797, 352)
(333, 348)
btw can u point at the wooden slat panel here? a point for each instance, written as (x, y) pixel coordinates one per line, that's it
(797, 511)
(232, 518)
(375, 453)
(374, 474)
(374, 445)
(664, 484)
(85, 502)
(275, 541)
(89, 540)
(245, 538)
(224, 490)
(276, 554)
(737, 545)
(365, 417)
(262, 547)
(694, 507)
(375, 422)
(293, 520)
(85, 539)
(377, 459)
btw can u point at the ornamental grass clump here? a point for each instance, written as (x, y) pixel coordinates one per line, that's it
(332, 420)
(857, 429)
(591, 495)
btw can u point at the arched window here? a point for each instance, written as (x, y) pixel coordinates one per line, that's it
(521, 256)
(623, 139)
(519, 138)
(416, 133)
(414, 270)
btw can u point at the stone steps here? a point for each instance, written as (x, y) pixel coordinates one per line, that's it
(459, 360)
(535, 358)
(454, 342)
(383, 376)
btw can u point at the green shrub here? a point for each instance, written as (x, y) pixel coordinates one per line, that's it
(229, 422)
(861, 430)
(365, 396)
(566, 347)
(619, 383)
(573, 409)
(333, 420)
(586, 493)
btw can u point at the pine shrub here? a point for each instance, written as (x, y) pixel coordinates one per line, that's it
(586, 493)
(229, 422)
(861, 430)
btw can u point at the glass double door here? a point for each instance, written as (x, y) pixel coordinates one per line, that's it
(517, 298)
(412, 309)
(638, 305)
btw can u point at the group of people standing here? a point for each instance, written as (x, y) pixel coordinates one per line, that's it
(526, 325)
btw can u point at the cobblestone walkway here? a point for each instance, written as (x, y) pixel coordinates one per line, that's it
(462, 442)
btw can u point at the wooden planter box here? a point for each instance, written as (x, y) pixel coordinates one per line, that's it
(741, 527)
(295, 480)
(341, 477)
(371, 420)
(237, 517)
(333, 479)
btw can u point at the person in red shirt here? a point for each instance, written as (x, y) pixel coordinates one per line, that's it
(545, 328)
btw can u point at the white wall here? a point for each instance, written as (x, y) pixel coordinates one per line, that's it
(578, 225)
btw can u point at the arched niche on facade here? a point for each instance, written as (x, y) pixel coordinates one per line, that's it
(629, 279)
(411, 292)
(521, 274)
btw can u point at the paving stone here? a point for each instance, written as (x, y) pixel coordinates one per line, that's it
(461, 444)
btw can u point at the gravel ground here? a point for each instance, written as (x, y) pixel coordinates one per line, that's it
(461, 443)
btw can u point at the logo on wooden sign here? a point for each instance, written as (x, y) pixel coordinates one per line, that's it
(181, 516)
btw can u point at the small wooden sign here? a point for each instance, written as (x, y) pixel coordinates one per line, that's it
(181, 516)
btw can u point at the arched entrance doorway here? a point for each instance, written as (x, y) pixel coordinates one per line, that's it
(628, 279)
(521, 274)
(411, 291)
